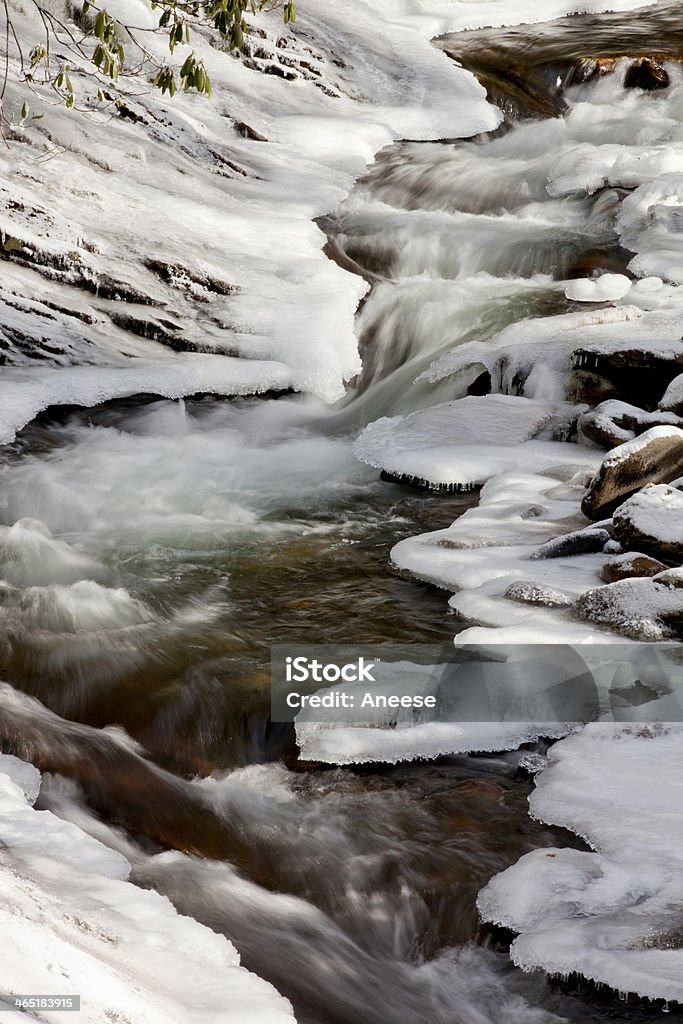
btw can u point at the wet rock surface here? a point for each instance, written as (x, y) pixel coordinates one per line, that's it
(648, 74)
(654, 457)
(527, 76)
(637, 375)
(579, 542)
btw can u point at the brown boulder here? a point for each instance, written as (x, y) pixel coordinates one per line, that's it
(639, 374)
(653, 458)
(648, 74)
(630, 564)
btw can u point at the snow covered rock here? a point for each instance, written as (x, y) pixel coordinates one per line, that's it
(612, 422)
(673, 396)
(491, 547)
(609, 424)
(459, 445)
(629, 564)
(641, 609)
(578, 542)
(534, 593)
(652, 521)
(654, 457)
(636, 373)
(611, 914)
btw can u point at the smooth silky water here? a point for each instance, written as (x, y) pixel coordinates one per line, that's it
(152, 551)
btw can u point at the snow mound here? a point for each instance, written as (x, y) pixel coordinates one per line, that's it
(606, 288)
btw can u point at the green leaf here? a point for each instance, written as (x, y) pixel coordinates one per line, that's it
(24, 110)
(100, 24)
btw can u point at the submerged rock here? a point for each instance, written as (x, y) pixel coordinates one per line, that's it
(648, 74)
(630, 564)
(652, 521)
(654, 457)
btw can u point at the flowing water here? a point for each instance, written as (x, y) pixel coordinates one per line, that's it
(152, 551)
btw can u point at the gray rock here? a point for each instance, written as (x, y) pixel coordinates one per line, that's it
(654, 457)
(579, 542)
(535, 593)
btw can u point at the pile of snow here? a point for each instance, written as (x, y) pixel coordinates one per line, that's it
(606, 288)
(613, 914)
(77, 927)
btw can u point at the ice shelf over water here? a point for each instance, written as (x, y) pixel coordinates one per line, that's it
(613, 913)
